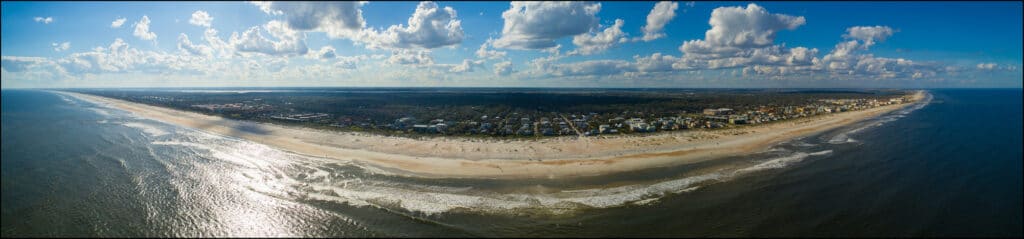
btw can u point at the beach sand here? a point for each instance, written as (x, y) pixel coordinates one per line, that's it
(448, 157)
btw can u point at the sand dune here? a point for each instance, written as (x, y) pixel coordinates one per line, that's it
(492, 158)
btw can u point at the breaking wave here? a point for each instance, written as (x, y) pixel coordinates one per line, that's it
(844, 137)
(148, 129)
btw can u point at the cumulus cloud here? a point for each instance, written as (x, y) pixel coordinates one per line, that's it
(289, 43)
(868, 34)
(201, 18)
(44, 20)
(119, 57)
(219, 46)
(846, 57)
(184, 44)
(536, 25)
(429, 27)
(986, 66)
(503, 68)
(741, 37)
(58, 47)
(736, 27)
(483, 52)
(661, 14)
(744, 38)
(325, 53)
(142, 29)
(411, 57)
(657, 62)
(21, 63)
(351, 62)
(466, 66)
(592, 67)
(265, 7)
(337, 19)
(587, 44)
(117, 23)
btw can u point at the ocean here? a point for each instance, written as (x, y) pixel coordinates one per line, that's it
(947, 166)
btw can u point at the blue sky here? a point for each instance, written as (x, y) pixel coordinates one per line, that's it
(535, 44)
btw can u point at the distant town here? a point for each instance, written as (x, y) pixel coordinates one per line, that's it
(514, 114)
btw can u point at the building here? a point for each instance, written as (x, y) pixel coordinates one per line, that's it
(719, 111)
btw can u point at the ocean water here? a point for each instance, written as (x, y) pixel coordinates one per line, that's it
(949, 166)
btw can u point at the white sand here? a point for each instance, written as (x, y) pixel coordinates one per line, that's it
(491, 158)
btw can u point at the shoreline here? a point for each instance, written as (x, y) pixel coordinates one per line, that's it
(506, 159)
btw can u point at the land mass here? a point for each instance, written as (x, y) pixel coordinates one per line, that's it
(447, 157)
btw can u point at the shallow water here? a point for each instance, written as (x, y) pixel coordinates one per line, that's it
(73, 168)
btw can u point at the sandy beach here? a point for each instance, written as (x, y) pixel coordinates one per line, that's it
(506, 159)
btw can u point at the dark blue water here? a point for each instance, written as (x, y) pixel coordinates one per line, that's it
(949, 167)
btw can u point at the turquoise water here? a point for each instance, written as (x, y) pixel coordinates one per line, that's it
(947, 167)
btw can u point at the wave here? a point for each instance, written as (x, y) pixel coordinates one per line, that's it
(148, 129)
(437, 199)
(783, 161)
(844, 137)
(99, 111)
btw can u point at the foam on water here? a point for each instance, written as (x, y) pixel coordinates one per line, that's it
(843, 138)
(148, 129)
(270, 171)
(783, 161)
(100, 111)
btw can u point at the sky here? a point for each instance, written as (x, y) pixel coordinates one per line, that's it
(512, 44)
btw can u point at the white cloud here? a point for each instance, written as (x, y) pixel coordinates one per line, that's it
(290, 42)
(503, 68)
(736, 27)
(337, 19)
(265, 7)
(351, 62)
(868, 34)
(325, 53)
(986, 66)
(466, 66)
(587, 44)
(142, 29)
(846, 59)
(21, 63)
(58, 47)
(44, 20)
(429, 27)
(118, 22)
(119, 57)
(536, 25)
(655, 63)
(217, 45)
(592, 67)
(411, 57)
(744, 37)
(201, 18)
(489, 54)
(661, 14)
(184, 44)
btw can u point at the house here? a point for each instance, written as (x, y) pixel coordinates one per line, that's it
(719, 111)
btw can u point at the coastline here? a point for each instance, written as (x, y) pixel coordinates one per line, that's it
(543, 158)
